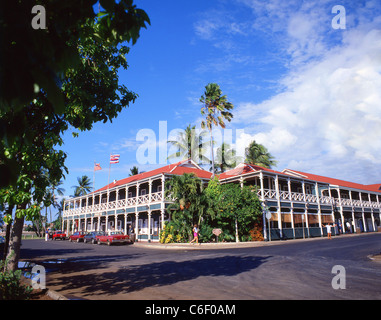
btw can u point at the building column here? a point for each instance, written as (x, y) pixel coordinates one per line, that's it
(319, 207)
(278, 204)
(353, 212)
(363, 215)
(305, 210)
(262, 198)
(149, 224)
(371, 212)
(292, 206)
(136, 224)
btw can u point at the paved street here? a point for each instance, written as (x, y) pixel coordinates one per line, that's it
(284, 270)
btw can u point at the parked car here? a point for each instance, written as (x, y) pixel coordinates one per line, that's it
(59, 235)
(113, 237)
(77, 236)
(92, 236)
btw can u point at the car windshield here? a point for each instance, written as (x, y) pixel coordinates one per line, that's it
(115, 232)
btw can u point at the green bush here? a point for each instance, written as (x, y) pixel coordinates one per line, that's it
(10, 286)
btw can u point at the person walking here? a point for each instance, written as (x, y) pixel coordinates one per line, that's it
(329, 230)
(195, 234)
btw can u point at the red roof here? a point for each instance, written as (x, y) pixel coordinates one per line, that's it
(179, 168)
(188, 166)
(336, 182)
(244, 168)
(247, 168)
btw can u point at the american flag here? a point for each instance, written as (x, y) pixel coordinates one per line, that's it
(114, 158)
(97, 166)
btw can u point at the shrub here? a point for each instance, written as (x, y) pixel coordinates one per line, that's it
(10, 286)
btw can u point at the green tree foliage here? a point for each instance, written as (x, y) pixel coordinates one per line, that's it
(233, 208)
(190, 145)
(216, 109)
(39, 64)
(237, 209)
(134, 171)
(84, 186)
(69, 78)
(226, 158)
(190, 203)
(257, 154)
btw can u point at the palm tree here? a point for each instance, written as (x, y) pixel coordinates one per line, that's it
(83, 187)
(134, 171)
(257, 154)
(189, 145)
(216, 109)
(226, 158)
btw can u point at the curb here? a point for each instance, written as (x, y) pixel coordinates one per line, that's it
(55, 295)
(236, 245)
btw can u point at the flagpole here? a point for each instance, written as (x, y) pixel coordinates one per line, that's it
(109, 169)
(94, 177)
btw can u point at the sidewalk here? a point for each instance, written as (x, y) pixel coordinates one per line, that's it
(233, 245)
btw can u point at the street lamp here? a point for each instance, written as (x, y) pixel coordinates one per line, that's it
(267, 215)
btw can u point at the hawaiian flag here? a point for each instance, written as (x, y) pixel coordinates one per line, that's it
(97, 166)
(114, 158)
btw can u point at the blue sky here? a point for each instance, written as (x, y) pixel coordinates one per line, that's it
(308, 92)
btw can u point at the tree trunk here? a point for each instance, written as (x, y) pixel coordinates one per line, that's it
(15, 243)
(7, 233)
(211, 147)
(6, 244)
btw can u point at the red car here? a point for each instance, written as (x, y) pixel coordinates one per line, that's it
(77, 236)
(113, 237)
(59, 235)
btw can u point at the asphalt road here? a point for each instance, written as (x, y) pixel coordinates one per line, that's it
(285, 270)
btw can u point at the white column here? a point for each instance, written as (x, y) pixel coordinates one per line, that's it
(149, 190)
(149, 225)
(353, 212)
(319, 207)
(262, 186)
(136, 224)
(125, 223)
(291, 205)
(278, 204)
(305, 210)
(363, 215)
(371, 212)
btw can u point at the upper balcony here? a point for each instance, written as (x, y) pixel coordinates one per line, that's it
(269, 194)
(81, 208)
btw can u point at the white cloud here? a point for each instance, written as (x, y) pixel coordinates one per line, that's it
(328, 119)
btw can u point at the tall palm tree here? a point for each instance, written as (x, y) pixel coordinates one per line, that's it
(216, 108)
(257, 154)
(190, 145)
(83, 187)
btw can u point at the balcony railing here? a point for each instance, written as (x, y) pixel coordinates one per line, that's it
(115, 205)
(268, 194)
(311, 198)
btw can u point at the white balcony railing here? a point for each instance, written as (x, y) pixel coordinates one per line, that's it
(268, 194)
(311, 198)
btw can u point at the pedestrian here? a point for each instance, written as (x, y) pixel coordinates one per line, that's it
(195, 234)
(348, 227)
(329, 230)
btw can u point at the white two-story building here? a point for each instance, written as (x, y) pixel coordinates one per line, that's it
(301, 204)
